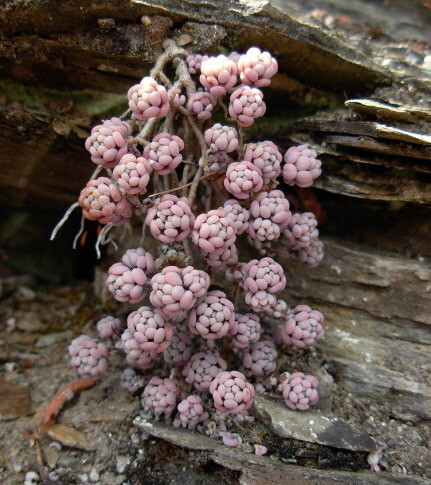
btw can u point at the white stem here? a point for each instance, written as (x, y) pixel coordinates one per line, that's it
(81, 230)
(101, 240)
(63, 220)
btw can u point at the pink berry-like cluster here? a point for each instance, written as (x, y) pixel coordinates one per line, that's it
(197, 194)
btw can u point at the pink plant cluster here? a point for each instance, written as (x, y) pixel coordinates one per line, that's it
(207, 320)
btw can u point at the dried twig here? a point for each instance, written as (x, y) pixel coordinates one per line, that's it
(194, 181)
(56, 404)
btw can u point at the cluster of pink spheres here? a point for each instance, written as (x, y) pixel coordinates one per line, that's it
(192, 330)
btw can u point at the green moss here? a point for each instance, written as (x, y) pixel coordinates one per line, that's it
(95, 103)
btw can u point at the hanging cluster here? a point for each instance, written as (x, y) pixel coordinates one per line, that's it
(201, 194)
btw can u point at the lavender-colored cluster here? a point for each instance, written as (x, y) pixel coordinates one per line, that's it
(108, 142)
(128, 279)
(88, 356)
(300, 391)
(199, 193)
(170, 220)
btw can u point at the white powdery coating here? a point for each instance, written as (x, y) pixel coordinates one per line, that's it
(179, 351)
(312, 254)
(194, 62)
(213, 317)
(301, 230)
(101, 201)
(160, 396)
(221, 138)
(246, 330)
(163, 152)
(202, 369)
(201, 105)
(108, 142)
(256, 68)
(263, 278)
(88, 357)
(191, 411)
(303, 327)
(128, 279)
(132, 174)
(213, 232)
(246, 104)
(301, 166)
(269, 214)
(148, 99)
(265, 156)
(131, 380)
(238, 214)
(171, 219)
(300, 391)
(260, 358)
(242, 179)
(228, 257)
(108, 327)
(231, 392)
(218, 74)
(176, 289)
(147, 331)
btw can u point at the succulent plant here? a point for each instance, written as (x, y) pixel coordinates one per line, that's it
(186, 180)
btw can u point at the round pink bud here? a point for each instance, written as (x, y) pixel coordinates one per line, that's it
(133, 174)
(256, 68)
(260, 358)
(311, 255)
(243, 179)
(301, 230)
(171, 219)
(218, 74)
(108, 142)
(201, 105)
(300, 391)
(131, 380)
(101, 201)
(265, 156)
(269, 214)
(175, 289)
(246, 104)
(128, 279)
(303, 327)
(180, 350)
(213, 232)
(263, 278)
(108, 327)
(191, 411)
(160, 396)
(163, 152)
(238, 214)
(246, 330)
(221, 138)
(202, 369)
(149, 330)
(148, 99)
(228, 257)
(135, 355)
(301, 166)
(194, 62)
(213, 317)
(89, 358)
(231, 392)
